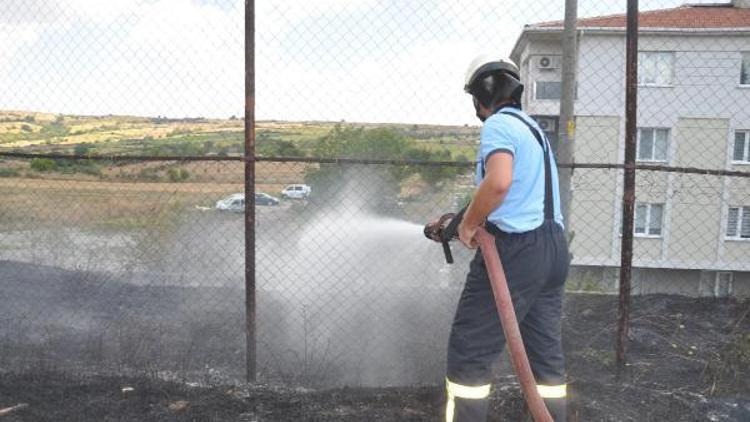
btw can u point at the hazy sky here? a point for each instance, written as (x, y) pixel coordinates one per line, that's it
(357, 60)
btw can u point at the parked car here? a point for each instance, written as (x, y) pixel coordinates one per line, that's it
(265, 199)
(296, 192)
(236, 201)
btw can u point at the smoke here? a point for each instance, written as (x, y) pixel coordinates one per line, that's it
(364, 298)
(349, 292)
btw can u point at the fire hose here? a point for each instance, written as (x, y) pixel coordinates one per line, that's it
(445, 230)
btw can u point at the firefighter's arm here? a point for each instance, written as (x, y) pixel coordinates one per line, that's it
(490, 194)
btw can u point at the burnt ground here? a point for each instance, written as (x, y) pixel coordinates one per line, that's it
(689, 361)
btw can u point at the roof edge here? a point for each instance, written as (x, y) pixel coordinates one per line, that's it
(528, 32)
(728, 4)
(642, 30)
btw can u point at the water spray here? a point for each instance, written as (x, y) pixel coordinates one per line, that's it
(444, 230)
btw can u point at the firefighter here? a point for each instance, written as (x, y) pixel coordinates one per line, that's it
(518, 201)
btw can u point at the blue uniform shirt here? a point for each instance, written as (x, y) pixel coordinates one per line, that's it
(522, 209)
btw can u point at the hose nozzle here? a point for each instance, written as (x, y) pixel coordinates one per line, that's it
(444, 230)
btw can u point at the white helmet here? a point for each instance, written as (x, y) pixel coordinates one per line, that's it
(489, 79)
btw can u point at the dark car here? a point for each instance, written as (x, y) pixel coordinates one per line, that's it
(265, 199)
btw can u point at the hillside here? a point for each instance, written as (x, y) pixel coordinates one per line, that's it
(108, 135)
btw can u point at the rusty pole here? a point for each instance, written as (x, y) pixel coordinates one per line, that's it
(628, 193)
(250, 190)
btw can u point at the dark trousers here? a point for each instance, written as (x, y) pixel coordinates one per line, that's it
(536, 266)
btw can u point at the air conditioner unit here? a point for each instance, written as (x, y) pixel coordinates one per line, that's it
(547, 124)
(548, 62)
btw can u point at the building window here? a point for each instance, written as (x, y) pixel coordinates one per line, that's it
(745, 69)
(655, 67)
(548, 90)
(738, 223)
(653, 144)
(648, 219)
(723, 284)
(741, 150)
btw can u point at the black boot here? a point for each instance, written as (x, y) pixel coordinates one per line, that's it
(557, 408)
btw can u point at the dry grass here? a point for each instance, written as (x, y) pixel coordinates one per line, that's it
(17, 127)
(114, 202)
(42, 202)
(94, 129)
(18, 115)
(94, 137)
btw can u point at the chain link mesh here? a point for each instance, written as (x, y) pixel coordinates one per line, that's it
(138, 265)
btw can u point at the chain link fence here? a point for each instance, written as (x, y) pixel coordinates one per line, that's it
(133, 270)
(137, 265)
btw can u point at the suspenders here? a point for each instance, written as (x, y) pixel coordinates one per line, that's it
(548, 201)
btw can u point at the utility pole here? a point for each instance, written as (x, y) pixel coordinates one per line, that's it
(249, 159)
(566, 146)
(628, 193)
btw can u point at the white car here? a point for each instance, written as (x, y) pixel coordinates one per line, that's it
(236, 202)
(296, 192)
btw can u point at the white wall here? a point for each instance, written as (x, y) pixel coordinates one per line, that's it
(705, 83)
(702, 108)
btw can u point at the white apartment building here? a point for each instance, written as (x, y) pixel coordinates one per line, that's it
(692, 232)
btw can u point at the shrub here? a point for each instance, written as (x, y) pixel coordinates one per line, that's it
(279, 148)
(26, 128)
(43, 164)
(176, 174)
(78, 166)
(81, 149)
(6, 172)
(149, 173)
(89, 168)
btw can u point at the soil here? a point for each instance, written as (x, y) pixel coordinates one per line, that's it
(688, 361)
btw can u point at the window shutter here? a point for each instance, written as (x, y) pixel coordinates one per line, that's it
(745, 230)
(661, 141)
(732, 221)
(640, 218)
(646, 144)
(739, 146)
(645, 68)
(654, 224)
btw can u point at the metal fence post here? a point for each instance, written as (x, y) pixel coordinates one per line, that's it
(566, 147)
(250, 189)
(628, 194)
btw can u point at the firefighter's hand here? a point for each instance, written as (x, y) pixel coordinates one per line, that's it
(467, 235)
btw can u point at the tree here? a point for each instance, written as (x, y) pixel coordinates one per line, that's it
(81, 149)
(42, 164)
(381, 182)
